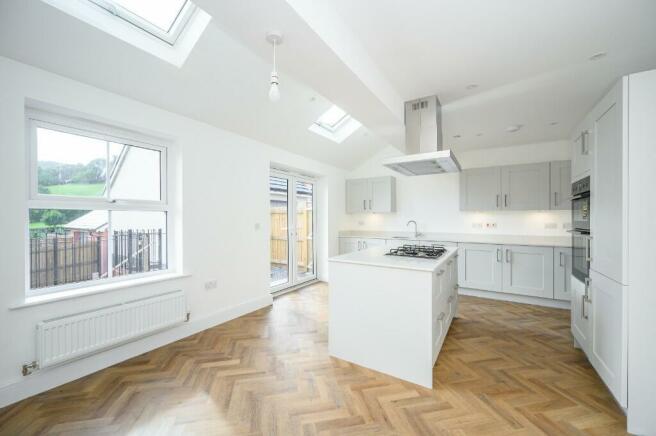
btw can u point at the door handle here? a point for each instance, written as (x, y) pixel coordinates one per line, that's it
(588, 251)
(561, 263)
(555, 199)
(499, 255)
(498, 201)
(359, 245)
(584, 143)
(364, 204)
(364, 244)
(505, 200)
(583, 307)
(587, 290)
(508, 255)
(369, 204)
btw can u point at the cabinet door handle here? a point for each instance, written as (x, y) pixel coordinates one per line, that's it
(507, 255)
(588, 251)
(556, 199)
(499, 255)
(364, 204)
(498, 201)
(585, 150)
(505, 200)
(369, 204)
(561, 259)
(587, 290)
(359, 245)
(441, 272)
(583, 307)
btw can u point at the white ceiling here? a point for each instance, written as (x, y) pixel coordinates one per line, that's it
(222, 83)
(529, 58)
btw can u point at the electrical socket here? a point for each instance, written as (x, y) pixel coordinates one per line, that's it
(212, 284)
(490, 225)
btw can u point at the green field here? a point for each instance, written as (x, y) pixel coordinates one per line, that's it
(77, 189)
(35, 226)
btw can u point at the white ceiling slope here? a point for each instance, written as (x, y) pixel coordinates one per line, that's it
(222, 83)
(529, 59)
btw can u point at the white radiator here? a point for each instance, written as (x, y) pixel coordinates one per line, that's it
(63, 339)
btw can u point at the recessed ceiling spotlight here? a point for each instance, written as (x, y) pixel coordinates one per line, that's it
(479, 134)
(514, 128)
(553, 123)
(472, 86)
(313, 99)
(597, 56)
(457, 136)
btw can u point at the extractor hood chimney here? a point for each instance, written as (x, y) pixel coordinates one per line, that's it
(423, 141)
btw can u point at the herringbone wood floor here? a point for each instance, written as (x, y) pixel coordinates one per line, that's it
(504, 369)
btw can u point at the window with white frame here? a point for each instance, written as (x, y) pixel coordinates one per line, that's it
(164, 19)
(335, 124)
(98, 209)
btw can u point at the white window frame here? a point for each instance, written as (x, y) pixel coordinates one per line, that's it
(169, 37)
(40, 119)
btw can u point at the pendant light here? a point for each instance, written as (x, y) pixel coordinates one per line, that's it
(274, 38)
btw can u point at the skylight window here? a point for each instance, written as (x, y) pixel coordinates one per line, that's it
(335, 124)
(164, 19)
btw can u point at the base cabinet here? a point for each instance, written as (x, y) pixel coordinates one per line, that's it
(348, 245)
(480, 267)
(562, 273)
(580, 315)
(528, 271)
(608, 353)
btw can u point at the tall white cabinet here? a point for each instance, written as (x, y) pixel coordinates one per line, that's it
(612, 314)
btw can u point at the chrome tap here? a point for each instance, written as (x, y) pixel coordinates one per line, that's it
(415, 223)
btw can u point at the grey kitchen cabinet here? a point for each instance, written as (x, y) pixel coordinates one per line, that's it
(480, 266)
(609, 333)
(561, 185)
(562, 262)
(525, 187)
(371, 195)
(528, 271)
(349, 244)
(357, 195)
(609, 188)
(538, 186)
(480, 189)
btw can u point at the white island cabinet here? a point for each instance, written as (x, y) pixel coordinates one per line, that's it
(391, 314)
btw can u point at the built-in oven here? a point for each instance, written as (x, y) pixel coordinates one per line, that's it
(581, 238)
(581, 205)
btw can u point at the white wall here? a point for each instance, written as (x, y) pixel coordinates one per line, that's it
(433, 201)
(218, 193)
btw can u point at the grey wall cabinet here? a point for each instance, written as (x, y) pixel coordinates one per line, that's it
(371, 195)
(516, 187)
(525, 187)
(480, 266)
(562, 273)
(561, 185)
(528, 271)
(480, 189)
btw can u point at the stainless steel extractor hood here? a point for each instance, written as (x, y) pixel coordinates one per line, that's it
(423, 141)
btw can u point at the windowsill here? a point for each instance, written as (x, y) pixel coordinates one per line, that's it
(95, 289)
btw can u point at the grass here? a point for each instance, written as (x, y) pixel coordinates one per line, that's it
(77, 189)
(39, 225)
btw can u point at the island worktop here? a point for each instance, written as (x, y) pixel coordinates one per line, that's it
(377, 257)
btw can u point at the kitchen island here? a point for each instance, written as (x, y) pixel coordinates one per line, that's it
(391, 314)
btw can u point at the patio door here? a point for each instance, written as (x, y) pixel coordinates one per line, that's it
(293, 223)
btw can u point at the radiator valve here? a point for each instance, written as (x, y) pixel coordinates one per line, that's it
(29, 368)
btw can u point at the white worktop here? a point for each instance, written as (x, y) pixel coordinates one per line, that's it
(480, 238)
(376, 257)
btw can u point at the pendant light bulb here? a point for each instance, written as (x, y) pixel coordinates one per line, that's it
(274, 91)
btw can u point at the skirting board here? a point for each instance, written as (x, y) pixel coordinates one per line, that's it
(49, 378)
(558, 304)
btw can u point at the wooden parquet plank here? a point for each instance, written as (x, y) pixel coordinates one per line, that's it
(506, 369)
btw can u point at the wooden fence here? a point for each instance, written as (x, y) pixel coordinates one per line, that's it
(304, 246)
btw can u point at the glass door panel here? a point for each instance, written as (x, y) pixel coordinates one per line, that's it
(293, 250)
(304, 230)
(279, 200)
